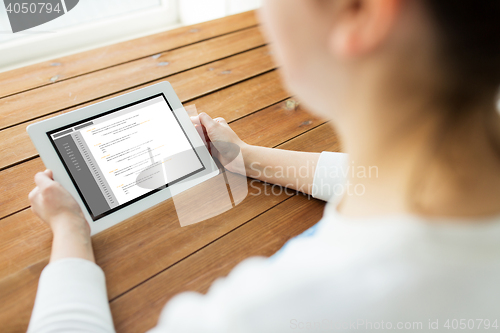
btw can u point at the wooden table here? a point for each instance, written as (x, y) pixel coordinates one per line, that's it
(223, 67)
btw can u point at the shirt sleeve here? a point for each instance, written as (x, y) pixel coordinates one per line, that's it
(330, 175)
(71, 297)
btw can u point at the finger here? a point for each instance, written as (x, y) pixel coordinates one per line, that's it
(221, 120)
(195, 119)
(197, 125)
(199, 129)
(32, 194)
(201, 133)
(207, 121)
(49, 173)
(42, 180)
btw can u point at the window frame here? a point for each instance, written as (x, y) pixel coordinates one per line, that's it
(42, 47)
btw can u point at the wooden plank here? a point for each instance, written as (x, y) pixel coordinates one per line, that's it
(15, 249)
(25, 240)
(17, 182)
(15, 185)
(60, 69)
(231, 103)
(244, 98)
(266, 128)
(16, 306)
(139, 309)
(17, 295)
(321, 138)
(217, 75)
(49, 99)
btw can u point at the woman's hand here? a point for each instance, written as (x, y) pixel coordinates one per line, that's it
(220, 136)
(56, 207)
(266, 164)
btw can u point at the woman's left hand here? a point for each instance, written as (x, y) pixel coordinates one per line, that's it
(54, 205)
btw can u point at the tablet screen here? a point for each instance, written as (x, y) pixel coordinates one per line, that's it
(114, 158)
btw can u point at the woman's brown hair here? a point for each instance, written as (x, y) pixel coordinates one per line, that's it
(469, 34)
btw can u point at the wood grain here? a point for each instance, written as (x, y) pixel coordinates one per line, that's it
(56, 70)
(266, 128)
(17, 295)
(139, 309)
(15, 185)
(244, 98)
(321, 138)
(49, 99)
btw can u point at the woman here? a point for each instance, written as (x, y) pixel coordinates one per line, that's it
(411, 88)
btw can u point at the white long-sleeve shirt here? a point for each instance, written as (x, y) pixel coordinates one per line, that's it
(401, 273)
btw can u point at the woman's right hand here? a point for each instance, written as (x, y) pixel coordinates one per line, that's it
(220, 136)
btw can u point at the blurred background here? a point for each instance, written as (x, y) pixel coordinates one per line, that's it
(95, 23)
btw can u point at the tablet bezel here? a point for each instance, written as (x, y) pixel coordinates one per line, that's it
(38, 134)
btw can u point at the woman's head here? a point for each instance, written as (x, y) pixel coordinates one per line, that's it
(346, 58)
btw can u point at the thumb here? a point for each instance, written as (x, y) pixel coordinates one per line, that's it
(207, 121)
(49, 173)
(42, 179)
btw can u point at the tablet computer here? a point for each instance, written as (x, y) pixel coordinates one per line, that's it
(124, 155)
